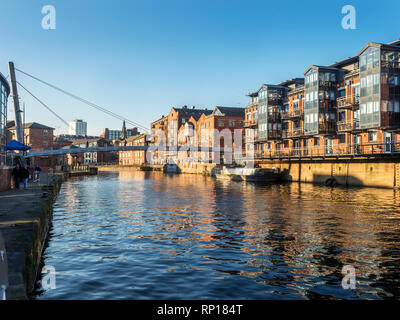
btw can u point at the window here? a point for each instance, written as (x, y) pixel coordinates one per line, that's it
(221, 123)
(342, 138)
(286, 144)
(45, 132)
(376, 106)
(372, 136)
(316, 141)
(232, 123)
(342, 116)
(396, 106)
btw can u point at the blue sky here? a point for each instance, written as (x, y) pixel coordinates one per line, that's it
(140, 58)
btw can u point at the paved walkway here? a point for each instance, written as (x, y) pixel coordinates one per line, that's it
(20, 219)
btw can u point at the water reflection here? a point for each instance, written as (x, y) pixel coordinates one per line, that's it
(146, 235)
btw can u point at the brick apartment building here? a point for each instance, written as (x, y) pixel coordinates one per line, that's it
(135, 157)
(94, 157)
(38, 136)
(170, 125)
(222, 119)
(351, 107)
(195, 127)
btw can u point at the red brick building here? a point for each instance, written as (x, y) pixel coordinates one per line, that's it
(38, 136)
(351, 107)
(134, 157)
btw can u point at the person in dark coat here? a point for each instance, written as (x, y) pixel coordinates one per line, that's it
(17, 174)
(25, 176)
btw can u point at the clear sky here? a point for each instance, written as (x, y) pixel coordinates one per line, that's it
(140, 58)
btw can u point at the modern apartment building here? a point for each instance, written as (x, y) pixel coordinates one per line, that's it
(111, 135)
(350, 107)
(78, 128)
(4, 92)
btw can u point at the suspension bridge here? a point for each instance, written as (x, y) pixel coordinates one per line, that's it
(19, 126)
(170, 149)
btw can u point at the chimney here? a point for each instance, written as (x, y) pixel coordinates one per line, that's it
(193, 107)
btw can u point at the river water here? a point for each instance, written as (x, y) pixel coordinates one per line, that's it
(146, 235)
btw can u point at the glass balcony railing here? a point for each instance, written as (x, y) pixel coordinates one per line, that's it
(370, 149)
(348, 102)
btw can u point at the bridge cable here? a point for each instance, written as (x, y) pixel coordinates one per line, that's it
(93, 105)
(43, 104)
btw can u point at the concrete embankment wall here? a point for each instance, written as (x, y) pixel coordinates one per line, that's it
(25, 223)
(382, 172)
(204, 169)
(360, 172)
(118, 168)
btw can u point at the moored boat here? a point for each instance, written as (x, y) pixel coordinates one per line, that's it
(249, 174)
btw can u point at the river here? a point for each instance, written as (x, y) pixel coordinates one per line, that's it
(146, 235)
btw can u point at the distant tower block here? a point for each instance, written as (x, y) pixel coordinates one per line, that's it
(78, 128)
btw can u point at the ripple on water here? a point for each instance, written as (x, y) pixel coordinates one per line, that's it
(140, 235)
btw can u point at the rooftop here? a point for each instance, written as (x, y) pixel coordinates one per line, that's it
(32, 125)
(230, 111)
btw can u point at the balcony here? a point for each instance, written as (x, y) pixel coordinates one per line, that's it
(326, 84)
(294, 133)
(338, 150)
(249, 123)
(390, 64)
(348, 102)
(327, 127)
(285, 115)
(296, 113)
(274, 116)
(252, 104)
(346, 126)
(274, 134)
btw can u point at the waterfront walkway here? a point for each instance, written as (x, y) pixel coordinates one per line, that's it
(21, 224)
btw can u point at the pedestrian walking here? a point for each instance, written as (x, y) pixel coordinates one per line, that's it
(37, 173)
(25, 176)
(18, 175)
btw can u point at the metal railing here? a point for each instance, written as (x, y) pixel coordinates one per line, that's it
(348, 102)
(298, 132)
(249, 123)
(344, 126)
(335, 151)
(296, 113)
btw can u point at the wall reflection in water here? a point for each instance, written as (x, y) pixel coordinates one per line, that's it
(146, 235)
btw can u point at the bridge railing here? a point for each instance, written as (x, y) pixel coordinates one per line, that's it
(371, 149)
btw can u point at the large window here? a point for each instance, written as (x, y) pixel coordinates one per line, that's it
(4, 92)
(370, 88)
(390, 87)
